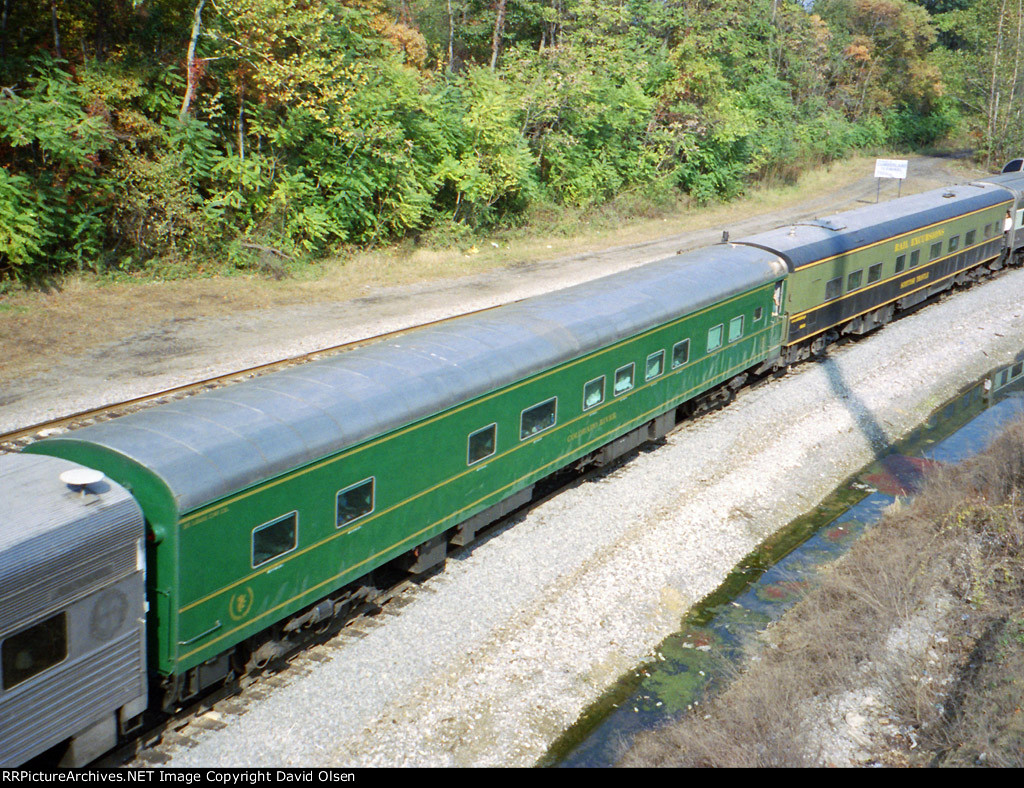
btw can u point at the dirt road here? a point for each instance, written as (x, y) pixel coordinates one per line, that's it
(65, 363)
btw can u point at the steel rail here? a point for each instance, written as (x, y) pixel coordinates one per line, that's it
(217, 380)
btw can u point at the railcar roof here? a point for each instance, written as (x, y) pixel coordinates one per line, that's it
(34, 501)
(217, 443)
(1014, 181)
(808, 242)
(42, 519)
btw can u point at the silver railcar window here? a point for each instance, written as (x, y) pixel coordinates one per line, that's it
(715, 337)
(735, 328)
(28, 653)
(482, 444)
(623, 379)
(680, 353)
(593, 393)
(655, 365)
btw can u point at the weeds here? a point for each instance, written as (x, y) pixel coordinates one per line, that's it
(924, 615)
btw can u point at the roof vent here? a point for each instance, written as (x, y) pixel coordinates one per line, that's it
(949, 193)
(80, 479)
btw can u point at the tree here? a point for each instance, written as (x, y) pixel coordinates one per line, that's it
(886, 60)
(986, 69)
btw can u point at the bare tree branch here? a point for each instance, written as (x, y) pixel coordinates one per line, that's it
(190, 63)
(499, 29)
(56, 32)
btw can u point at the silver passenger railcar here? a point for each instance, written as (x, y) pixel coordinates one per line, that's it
(72, 610)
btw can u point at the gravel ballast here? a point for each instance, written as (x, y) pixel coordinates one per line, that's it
(488, 662)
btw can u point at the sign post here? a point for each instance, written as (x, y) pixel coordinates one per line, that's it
(890, 168)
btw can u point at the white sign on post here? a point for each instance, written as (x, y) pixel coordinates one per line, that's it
(891, 168)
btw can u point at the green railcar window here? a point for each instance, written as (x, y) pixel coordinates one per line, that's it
(623, 379)
(735, 328)
(954, 243)
(28, 653)
(274, 539)
(482, 444)
(715, 337)
(969, 238)
(593, 393)
(655, 365)
(853, 280)
(915, 257)
(935, 251)
(1017, 369)
(538, 418)
(874, 273)
(758, 312)
(355, 502)
(833, 288)
(680, 353)
(901, 263)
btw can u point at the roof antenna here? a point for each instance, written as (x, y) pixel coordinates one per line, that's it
(725, 236)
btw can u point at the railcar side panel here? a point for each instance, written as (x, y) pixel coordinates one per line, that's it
(161, 516)
(837, 289)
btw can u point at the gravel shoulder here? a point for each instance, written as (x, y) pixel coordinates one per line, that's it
(488, 662)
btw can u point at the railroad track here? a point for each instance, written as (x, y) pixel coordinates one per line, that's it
(163, 733)
(17, 439)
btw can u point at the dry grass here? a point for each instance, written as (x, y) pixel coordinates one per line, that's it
(951, 560)
(83, 311)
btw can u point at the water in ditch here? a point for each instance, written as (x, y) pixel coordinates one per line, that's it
(696, 660)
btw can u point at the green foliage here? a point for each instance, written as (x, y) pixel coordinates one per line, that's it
(487, 170)
(24, 226)
(54, 199)
(320, 123)
(589, 119)
(915, 130)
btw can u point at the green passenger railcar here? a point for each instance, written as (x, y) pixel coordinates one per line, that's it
(231, 555)
(853, 271)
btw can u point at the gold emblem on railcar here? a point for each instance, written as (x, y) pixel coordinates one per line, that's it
(241, 603)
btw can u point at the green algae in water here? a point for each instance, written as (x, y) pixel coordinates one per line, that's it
(770, 551)
(694, 662)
